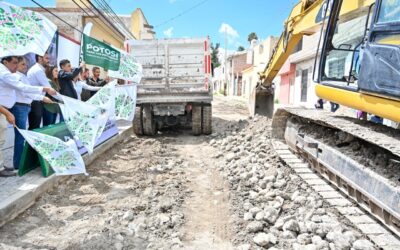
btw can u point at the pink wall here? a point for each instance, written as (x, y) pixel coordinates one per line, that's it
(286, 73)
(284, 93)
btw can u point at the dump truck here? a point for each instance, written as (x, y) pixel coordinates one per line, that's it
(176, 86)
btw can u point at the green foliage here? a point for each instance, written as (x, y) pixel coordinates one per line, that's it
(240, 48)
(252, 36)
(214, 55)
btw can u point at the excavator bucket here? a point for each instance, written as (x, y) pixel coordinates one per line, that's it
(262, 101)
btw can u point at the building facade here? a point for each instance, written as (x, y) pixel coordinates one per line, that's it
(236, 63)
(258, 56)
(295, 78)
(79, 13)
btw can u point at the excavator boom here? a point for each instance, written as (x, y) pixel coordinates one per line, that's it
(305, 19)
(358, 67)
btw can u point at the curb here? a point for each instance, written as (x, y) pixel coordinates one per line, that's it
(16, 204)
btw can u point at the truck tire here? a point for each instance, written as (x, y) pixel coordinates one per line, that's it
(196, 120)
(137, 121)
(149, 126)
(207, 120)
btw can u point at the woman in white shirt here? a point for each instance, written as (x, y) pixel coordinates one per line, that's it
(81, 84)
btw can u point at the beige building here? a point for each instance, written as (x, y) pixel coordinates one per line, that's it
(138, 25)
(258, 56)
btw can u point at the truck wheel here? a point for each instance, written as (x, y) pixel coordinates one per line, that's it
(149, 126)
(196, 120)
(207, 120)
(137, 122)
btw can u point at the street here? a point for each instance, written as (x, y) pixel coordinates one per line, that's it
(176, 191)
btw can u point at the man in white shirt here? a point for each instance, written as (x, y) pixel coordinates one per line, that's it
(21, 110)
(10, 85)
(5, 117)
(37, 77)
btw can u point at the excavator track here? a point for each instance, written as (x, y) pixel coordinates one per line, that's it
(360, 158)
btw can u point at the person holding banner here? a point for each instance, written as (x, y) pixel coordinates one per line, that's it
(96, 81)
(66, 76)
(10, 85)
(21, 110)
(5, 116)
(37, 77)
(80, 84)
(51, 111)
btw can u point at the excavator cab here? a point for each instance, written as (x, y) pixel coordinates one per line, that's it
(360, 49)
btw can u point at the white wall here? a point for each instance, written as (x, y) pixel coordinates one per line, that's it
(311, 96)
(67, 49)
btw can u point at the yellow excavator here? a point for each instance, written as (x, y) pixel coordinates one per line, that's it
(358, 66)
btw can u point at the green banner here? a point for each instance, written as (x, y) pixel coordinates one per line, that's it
(100, 54)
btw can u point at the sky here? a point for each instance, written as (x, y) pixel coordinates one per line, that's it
(200, 18)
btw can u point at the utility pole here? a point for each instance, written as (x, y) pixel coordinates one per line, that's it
(225, 62)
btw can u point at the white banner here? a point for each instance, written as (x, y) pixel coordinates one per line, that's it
(125, 102)
(129, 69)
(24, 31)
(105, 99)
(63, 157)
(85, 121)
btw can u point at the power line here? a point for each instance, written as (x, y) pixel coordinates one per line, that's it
(112, 13)
(101, 14)
(59, 18)
(182, 13)
(89, 15)
(116, 20)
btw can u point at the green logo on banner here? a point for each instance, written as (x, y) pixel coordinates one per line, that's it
(100, 54)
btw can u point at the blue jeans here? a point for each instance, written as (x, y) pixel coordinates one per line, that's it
(49, 118)
(334, 107)
(21, 113)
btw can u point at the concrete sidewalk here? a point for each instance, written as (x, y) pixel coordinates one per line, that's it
(19, 193)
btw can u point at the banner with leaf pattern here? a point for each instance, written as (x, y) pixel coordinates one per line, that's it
(63, 157)
(105, 99)
(85, 121)
(24, 31)
(125, 102)
(129, 69)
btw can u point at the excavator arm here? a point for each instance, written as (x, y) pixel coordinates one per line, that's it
(304, 19)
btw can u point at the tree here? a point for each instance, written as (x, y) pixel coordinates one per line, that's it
(214, 55)
(240, 48)
(252, 36)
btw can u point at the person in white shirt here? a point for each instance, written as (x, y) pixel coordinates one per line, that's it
(81, 83)
(5, 117)
(21, 110)
(37, 77)
(10, 84)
